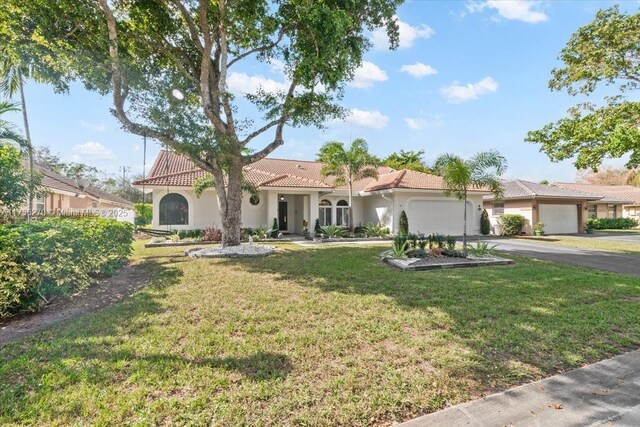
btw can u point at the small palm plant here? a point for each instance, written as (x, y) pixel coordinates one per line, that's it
(332, 231)
(399, 249)
(481, 249)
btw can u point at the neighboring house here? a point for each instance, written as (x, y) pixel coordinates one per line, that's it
(618, 200)
(294, 192)
(65, 195)
(562, 210)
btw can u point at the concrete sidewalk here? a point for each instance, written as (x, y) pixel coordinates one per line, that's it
(606, 392)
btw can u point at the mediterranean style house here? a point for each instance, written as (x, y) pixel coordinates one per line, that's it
(65, 195)
(294, 192)
(563, 207)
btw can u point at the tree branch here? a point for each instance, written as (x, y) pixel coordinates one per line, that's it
(257, 49)
(193, 30)
(278, 139)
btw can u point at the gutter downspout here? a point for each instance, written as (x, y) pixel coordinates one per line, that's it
(393, 216)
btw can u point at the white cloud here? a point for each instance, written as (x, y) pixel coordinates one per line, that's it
(408, 34)
(97, 127)
(244, 83)
(367, 119)
(419, 70)
(93, 151)
(366, 75)
(519, 10)
(415, 123)
(457, 93)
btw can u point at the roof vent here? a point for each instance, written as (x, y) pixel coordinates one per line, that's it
(299, 166)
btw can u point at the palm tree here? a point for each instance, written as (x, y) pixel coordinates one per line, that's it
(459, 175)
(8, 132)
(348, 166)
(12, 76)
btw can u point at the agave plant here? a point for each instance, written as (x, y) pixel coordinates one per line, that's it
(331, 231)
(399, 249)
(262, 232)
(481, 249)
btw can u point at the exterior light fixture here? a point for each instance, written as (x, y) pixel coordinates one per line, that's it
(281, 198)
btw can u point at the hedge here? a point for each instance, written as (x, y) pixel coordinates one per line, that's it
(57, 256)
(511, 224)
(612, 223)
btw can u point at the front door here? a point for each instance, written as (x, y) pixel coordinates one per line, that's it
(282, 216)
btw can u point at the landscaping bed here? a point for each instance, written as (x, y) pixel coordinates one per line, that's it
(170, 243)
(244, 250)
(433, 263)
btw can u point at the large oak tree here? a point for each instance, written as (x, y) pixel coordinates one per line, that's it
(605, 52)
(142, 51)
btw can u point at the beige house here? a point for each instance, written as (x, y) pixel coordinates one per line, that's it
(65, 195)
(618, 200)
(294, 193)
(562, 210)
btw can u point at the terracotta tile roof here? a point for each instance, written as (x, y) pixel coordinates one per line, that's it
(173, 169)
(625, 194)
(55, 181)
(519, 189)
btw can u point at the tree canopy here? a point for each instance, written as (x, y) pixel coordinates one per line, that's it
(142, 52)
(605, 52)
(411, 160)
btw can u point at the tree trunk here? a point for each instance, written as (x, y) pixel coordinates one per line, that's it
(231, 209)
(464, 231)
(27, 134)
(350, 220)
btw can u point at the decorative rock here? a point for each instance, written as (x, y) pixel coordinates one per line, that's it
(249, 250)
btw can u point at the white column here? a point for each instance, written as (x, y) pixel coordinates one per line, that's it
(305, 211)
(272, 207)
(313, 210)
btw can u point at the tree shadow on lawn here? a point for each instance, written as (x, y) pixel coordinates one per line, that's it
(94, 349)
(523, 321)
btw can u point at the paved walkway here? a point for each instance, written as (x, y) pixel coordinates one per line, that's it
(608, 261)
(605, 393)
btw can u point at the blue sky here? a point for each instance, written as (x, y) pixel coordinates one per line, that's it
(469, 76)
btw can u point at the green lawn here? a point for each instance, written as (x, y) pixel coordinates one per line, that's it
(627, 231)
(587, 242)
(326, 336)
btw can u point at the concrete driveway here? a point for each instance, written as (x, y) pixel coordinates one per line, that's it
(606, 261)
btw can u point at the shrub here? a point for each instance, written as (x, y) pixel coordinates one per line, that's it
(56, 256)
(404, 223)
(275, 229)
(332, 231)
(612, 223)
(485, 224)
(212, 233)
(511, 224)
(437, 239)
(144, 213)
(190, 234)
(451, 242)
(317, 227)
(371, 230)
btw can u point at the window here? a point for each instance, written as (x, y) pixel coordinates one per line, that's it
(498, 209)
(174, 210)
(324, 213)
(254, 200)
(342, 213)
(611, 211)
(592, 211)
(40, 203)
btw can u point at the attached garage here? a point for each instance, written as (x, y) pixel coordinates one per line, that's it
(439, 216)
(559, 219)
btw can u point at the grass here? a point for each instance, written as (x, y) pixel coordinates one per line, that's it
(626, 231)
(587, 242)
(315, 336)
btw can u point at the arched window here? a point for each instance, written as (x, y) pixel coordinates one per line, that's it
(342, 213)
(324, 213)
(174, 210)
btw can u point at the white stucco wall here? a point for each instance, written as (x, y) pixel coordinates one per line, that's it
(513, 207)
(377, 210)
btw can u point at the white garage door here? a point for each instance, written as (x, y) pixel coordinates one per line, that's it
(439, 216)
(559, 219)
